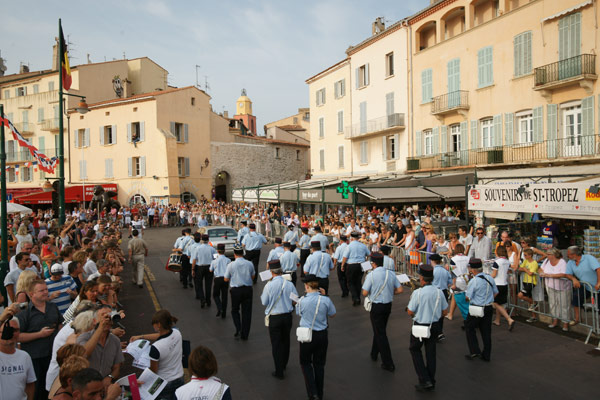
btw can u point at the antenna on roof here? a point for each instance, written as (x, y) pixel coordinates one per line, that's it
(89, 60)
(197, 83)
(206, 86)
(124, 56)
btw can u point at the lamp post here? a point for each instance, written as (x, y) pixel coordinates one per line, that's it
(3, 216)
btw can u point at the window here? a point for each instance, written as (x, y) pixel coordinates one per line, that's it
(389, 64)
(297, 155)
(321, 128)
(486, 132)
(183, 166)
(320, 97)
(390, 147)
(341, 156)
(428, 135)
(11, 175)
(51, 86)
(571, 122)
(82, 138)
(36, 88)
(522, 54)
(277, 155)
(108, 168)
(455, 138)
(364, 152)
(525, 126)
(340, 88)
(306, 116)
(40, 114)
(193, 101)
(362, 76)
(426, 85)
(322, 160)
(137, 166)
(485, 67)
(26, 174)
(569, 38)
(108, 135)
(83, 169)
(135, 132)
(21, 91)
(6, 94)
(295, 120)
(340, 121)
(180, 131)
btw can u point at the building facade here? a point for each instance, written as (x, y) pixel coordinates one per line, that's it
(298, 123)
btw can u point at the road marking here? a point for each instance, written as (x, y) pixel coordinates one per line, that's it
(149, 273)
(157, 306)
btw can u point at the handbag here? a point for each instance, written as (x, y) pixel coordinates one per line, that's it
(304, 335)
(368, 301)
(274, 304)
(423, 331)
(478, 311)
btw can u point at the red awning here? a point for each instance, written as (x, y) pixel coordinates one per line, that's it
(73, 194)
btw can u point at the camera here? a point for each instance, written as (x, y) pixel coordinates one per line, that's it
(115, 316)
(23, 305)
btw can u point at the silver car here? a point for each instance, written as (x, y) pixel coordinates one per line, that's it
(221, 234)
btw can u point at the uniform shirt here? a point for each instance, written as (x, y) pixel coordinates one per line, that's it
(241, 233)
(501, 265)
(388, 263)
(374, 282)
(458, 266)
(186, 245)
(289, 261)
(291, 236)
(586, 270)
(168, 350)
(319, 237)
(275, 254)
(441, 278)
(339, 251)
(479, 292)
(240, 272)
(253, 241)
(16, 371)
(63, 301)
(422, 303)
(219, 265)
(304, 242)
(202, 254)
(203, 389)
(356, 252)
(271, 293)
(306, 310)
(319, 264)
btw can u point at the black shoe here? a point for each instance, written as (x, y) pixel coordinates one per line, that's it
(425, 387)
(202, 305)
(390, 368)
(245, 339)
(374, 357)
(223, 315)
(472, 356)
(191, 286)
(276, 375)
(208, 304)
(141, 286)
(344, 295)
(185, 287)
(314, 397)
(198, 298)
(219, 313)
(236, 334)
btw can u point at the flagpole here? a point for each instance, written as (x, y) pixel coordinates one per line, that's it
(3, 215)
(61, 134)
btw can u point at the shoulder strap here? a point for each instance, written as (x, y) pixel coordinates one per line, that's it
(383, 286)
(437, 301)
(219, 394)
(487, 289)
(316, 311)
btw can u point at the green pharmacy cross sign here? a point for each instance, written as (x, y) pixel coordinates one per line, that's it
(345, 189)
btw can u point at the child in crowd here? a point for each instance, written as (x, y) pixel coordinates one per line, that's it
(529, 267)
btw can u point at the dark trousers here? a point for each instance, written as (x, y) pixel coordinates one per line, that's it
(168, 392)
(484, 324)
(40, 367)
(354, 273)
(342, 279)
(312, 361)
(324, 283)
(304, 253)
(293, 276)
(220, 294)
(425, 372)
(254, 257)
(203, 276)
(280, 327)
(380, 314)
(441, 320)
(186, 271)
(241, 297)
(292, 247)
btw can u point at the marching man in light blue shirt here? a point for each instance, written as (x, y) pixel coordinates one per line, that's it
(218, 267)
(239, 274)
(442, 279)
(201, 257)
(337, 262)
(291, 236)
(252, 243)
(277, 251)
(354, 254)
(304, 244)
(388, 262)
(276, 298)
(184, 244)
(380, 286)
(319, 264)
(289, 261)
(320, 238)
(242, 232)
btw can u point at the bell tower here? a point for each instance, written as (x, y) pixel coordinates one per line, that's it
(243, 113)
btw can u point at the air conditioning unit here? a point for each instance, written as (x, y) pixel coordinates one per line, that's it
(495, 156)
(412, 165)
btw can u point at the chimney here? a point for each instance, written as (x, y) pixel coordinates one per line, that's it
(226, 114)
(378, 26)
(55, 56)
(23, 68)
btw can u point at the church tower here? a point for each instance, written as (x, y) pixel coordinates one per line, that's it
(244, 112)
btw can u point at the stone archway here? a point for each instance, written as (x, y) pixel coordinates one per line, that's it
(222, 186)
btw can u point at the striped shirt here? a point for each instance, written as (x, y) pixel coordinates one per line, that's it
(63, 301)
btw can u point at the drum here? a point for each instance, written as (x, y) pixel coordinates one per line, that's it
(174, 263)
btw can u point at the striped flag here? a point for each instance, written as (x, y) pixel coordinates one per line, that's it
(64, 61)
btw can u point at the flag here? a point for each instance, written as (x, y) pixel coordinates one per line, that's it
(16, 169)
(64, 61)
(35, 166)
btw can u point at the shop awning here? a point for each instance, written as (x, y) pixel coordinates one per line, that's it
(73, 194)
(401, 194)
(532, 175)
(449, 193)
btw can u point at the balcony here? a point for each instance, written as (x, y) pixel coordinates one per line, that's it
(375, 126)
(23, 155)
(24, 128)
(578, 70)
(50, 125)
(453, 102)
(578, 147)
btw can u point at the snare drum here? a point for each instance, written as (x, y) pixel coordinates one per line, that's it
(174, 264)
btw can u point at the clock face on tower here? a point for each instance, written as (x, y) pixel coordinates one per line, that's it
(241, 104)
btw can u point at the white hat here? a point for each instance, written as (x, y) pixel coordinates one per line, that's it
(57, 269)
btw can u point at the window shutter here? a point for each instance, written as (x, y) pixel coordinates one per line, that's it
(418, 144)
(367, 80)
(527, 58)
(322, 160)
(552, 144)
(357, 78)
(56, 114)
(538, 125)
(587, 126)
(336, 90)
(389, 103)
(363, 117)
(396, 146)
(509, 119)
(324, 100)
(464, 127)
(87, 137)
(172, 128)
(518, 54)
(321, 127)
(143, 166)
(142, 131)
(343, 87)
(340, 121)
(101, 134)
(76, 138)
(187, 166)
(384, 148)
(114, 134)
(42, 141)
(497, 131)
(490, 68)
(129, 132)
(576, 34)
(563, 35)
(474, 135)
(106, 168)
(481, 68)
(185, 133)
(341, 156)
(40, 114)
(129, 166)
(444, 140)
(435, 138)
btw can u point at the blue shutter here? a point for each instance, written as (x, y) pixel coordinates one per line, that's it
(474, 134)
(464, 138)
(538, 124)
(426, 85)
(444, 139)
(418, 144)
(552, 145)
(435, 139)
(509, 119)
(587, 126)
(481, 68)
(40, 114)
(497, 131)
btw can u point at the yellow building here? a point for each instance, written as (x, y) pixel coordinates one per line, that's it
(298, 124)
(499, 83)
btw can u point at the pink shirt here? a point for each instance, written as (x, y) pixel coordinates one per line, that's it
(559, 268)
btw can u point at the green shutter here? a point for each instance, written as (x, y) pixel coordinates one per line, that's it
(517, 54)
(587, 126)
(538, 124)
(464, 135)
(444, 139)
(435, 140)
(474, 135)
(527, 58)
(509, 119)
(426, 85)
(497, 131)
(552, 144)
(418, 144)
(40, 114)
(569, 36)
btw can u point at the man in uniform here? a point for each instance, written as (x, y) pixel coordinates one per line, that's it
(202, 256)
(388, 262)
(218, 266)
(277, 251)
(242, 232)
(426, 306)
(239, 274)
(291, 236)
(138, 250)
(319, 264)
(442, 280)
(354, 254)
(184, 244)
(276, 298)
(381, 285)
(289, 261)
(337, 262)
(481, 291)
(252, 243)
(321, 239)
(304, 244)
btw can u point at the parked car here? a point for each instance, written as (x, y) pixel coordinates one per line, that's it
(221, 234)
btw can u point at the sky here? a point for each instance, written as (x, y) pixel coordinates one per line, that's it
(268, 47)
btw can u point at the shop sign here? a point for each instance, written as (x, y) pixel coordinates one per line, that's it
(311, 195)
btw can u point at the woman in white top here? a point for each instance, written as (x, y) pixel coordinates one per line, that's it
(22, 236)
(204, 383)
(409, 241)
(559, 290)
(500, 275)
(165, 353)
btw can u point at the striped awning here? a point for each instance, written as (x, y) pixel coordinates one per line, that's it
(567, 11)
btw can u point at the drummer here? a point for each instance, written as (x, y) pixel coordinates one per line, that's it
(184, 244)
